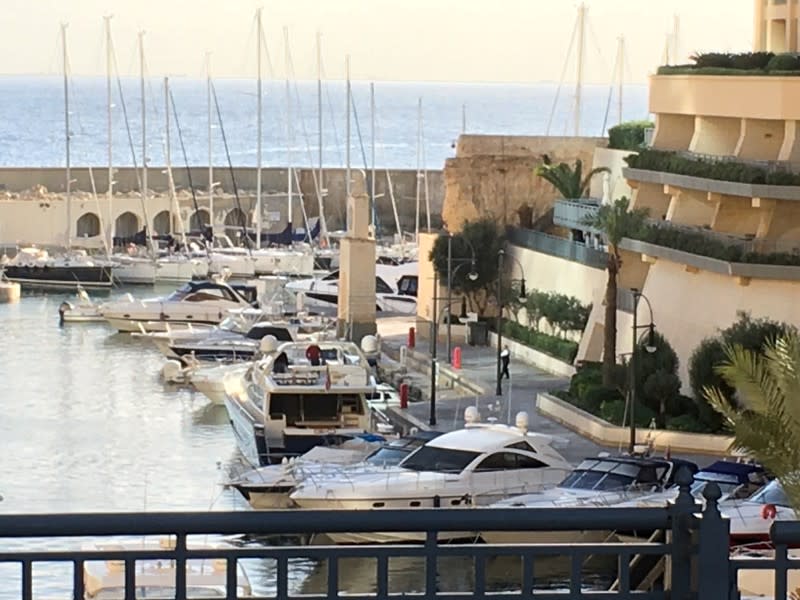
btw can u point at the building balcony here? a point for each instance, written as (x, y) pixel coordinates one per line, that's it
(558, 247)
(574, 214)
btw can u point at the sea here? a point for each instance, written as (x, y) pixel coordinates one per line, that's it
(86, 424)
(33, 132)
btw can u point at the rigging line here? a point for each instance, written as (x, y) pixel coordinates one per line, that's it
(388, 177)
(186, 162)
(333, 119)
(596, 42)
(358, 132)
(246, 51)
(611, 87)
(230, 168)
(563, 75)
(124, 108)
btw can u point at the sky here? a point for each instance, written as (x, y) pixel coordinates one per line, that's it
(405, 40)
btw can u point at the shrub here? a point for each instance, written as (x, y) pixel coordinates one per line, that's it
(555, 346)
(783, 62)
(597, 396)
(586, 377)
(628, 136)
(688, 423)
(613, 411)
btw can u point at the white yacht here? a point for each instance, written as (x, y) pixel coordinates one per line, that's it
(477, 465)
(300, 395)
(182, 267)
(596, 482)
(195, 302)
(395, 288)
(132, 268)
(155, 578)
(85, 310)
(270, 486)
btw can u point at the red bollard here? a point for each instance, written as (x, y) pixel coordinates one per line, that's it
(412, 337)
(457, 357)
(403, 395)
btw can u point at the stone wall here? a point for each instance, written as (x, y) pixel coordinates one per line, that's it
(493, 176)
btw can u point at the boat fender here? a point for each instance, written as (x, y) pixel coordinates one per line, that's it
(768, 512)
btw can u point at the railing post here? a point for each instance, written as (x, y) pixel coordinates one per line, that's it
(714, 576)
(679, 573)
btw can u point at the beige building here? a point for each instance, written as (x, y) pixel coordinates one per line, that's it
(776, 25)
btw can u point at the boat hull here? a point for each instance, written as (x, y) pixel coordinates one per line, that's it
(56, 277)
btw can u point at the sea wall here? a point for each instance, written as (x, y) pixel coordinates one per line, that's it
(47, 212)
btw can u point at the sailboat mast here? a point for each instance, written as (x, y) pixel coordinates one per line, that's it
(259, 133)
(463, 119)
(347, 135)
(168, 158)
(419, 168)
(320, 184)
(289, 183)
(621, 82)
(110, 189)
(372, 135)
(66, 132)
(676, 27)
(144, 119)
(210, 149)
(579, 77)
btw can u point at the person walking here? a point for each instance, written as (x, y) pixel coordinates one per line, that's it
(505, 358)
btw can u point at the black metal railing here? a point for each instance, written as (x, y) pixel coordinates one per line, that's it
(694, 569)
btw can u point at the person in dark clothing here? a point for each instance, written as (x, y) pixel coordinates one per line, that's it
(505, 358)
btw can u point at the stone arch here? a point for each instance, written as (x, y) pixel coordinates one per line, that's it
(126, 225)
(88, 225)
(162, 223)
(236, 218)
(199, 219)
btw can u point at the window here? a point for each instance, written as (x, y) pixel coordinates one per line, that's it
(502, 461)
(523, 445)
(407, 285)
(382, 287)
(771, 494)
(444, 460)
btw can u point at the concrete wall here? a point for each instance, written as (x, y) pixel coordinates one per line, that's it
(493, 176)
(615, 161)
(17, 180)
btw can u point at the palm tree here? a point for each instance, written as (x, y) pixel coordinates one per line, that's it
(616, 222)
(568, 181)
(766, 418)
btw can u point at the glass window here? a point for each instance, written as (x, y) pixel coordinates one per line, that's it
(381, 287)
(332, 277)
(444, 460)
(407, 285)
(523, 445)
(771, 494)
(386, 456)
(502, 461)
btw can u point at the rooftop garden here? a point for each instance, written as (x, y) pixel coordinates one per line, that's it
(628, 135)
(745, 63)
(671, 162)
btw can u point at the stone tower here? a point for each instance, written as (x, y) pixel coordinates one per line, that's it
(357, 271)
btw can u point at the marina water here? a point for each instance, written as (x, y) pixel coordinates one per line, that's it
(87, 425)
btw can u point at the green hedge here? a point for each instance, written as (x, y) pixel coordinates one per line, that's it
(671, 162)
(628, 136)
(745, 63)
(703, 245)
(556, 347)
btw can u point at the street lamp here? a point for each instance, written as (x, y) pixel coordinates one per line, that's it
(522, 294)
(473, 276)
(649, 347)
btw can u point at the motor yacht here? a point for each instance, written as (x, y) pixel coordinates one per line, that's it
(595, 482)
(751, 518)
(474, 466)
(195, 302)
(182, 267)
(155, 577)
(395, 288)
(35, 267)
(134, 269)
(270, 486)
(299, 395)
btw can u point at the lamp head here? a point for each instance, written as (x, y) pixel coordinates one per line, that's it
(522, 291)
(473, 274)
(650, 347)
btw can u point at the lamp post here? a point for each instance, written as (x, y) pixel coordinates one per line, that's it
(649, 347)
(500, 255)
(434, 340)
(473, 275)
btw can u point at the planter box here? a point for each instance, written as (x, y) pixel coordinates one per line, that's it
(534, 357)
(606, 434)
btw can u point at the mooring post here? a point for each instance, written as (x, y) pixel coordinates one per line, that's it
(713, 574)
(679, 572)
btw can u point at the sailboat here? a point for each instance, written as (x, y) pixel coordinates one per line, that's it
(35, 267)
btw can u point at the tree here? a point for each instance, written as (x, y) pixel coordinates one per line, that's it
(616, 222)
(482, 237)
(568, 181)
(766, 420)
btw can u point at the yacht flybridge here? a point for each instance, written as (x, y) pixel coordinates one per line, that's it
(477, 465)
(204, 302)
(300, 395)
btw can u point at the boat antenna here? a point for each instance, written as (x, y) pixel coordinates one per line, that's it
(185, 160)
(230, 168)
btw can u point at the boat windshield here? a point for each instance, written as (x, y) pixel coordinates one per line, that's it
(236, 324)
(151, 591)
(180, 293)
(727, 483)
(611, 475)
(443, 460)
(772, 493)
(386, 456)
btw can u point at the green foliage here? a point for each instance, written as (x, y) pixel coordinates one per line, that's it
(570, 182)
(784, 62)
(766, 419)
(688, 423)
(628, 136)
(597, 396)
(671, 162)
(564, 313)
(613, 411)
(747, 333)
(486, 240)
(555, 346)
(745, 63)
(617, 221)
(587, 376)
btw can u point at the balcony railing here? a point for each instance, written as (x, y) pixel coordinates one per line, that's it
(556, 246)
(573, 214)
